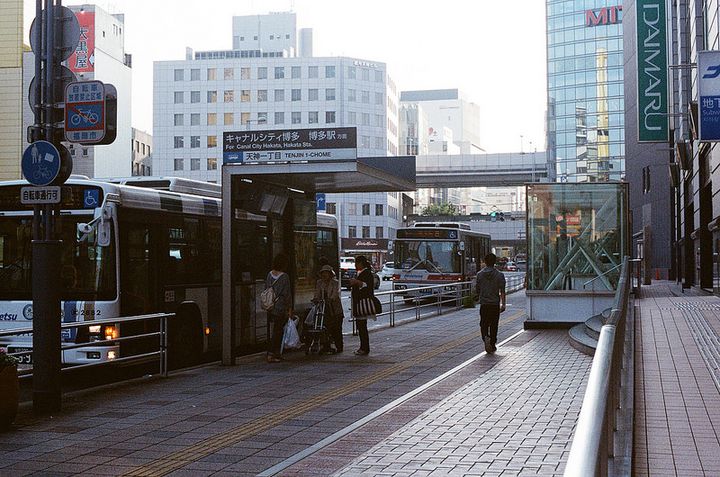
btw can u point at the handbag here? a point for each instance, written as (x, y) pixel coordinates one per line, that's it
(368, 306)
(268, 298)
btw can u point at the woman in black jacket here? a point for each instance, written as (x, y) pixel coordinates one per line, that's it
(362, 287)
(279, 280)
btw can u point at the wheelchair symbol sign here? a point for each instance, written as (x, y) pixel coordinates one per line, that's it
(91, 199)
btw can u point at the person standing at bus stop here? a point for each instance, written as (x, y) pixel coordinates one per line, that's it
(279, 280)
(490, 286)
(362, 287)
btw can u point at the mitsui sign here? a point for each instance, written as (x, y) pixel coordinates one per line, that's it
(652, 71)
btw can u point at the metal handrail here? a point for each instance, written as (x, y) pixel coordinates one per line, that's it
(594, 440)
(161, 353)
(603, 274)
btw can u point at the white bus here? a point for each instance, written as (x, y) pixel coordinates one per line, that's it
(431, 253)
(131, 246)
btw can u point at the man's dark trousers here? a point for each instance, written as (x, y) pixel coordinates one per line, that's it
(489, 318)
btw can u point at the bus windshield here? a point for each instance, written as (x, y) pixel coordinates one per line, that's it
(87, 270)
(433, 256)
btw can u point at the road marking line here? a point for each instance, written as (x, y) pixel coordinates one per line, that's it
(193, 453)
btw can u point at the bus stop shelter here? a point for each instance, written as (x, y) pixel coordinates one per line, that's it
(270, 208)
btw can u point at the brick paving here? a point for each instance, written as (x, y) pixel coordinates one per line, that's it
(514, 415)
(677, 357)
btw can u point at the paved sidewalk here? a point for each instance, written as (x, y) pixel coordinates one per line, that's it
(677, 383)
(514, 418)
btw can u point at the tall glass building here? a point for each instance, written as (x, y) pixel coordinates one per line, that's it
(585, 110)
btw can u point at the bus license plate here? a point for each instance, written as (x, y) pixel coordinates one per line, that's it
(25, 358)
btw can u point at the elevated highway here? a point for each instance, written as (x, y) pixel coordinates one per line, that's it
(480, 170)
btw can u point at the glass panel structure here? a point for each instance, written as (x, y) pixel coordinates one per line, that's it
(585, 111)
(577, 235)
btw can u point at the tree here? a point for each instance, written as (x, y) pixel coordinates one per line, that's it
(441, 209)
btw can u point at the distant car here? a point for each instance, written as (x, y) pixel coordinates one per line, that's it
(511, 267)
(387, 272)
(347, 271)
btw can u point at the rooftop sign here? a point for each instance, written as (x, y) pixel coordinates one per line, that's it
(603, 16)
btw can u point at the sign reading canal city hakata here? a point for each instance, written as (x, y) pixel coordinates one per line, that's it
(288, 145)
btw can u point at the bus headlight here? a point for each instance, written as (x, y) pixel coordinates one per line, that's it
(110, 332)
(94, 329)
(112, 355)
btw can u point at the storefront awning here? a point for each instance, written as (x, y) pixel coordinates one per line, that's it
(370, 174)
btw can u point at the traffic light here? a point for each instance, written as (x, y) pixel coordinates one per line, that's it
(495, 216)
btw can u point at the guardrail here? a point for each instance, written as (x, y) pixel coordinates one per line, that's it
(434, 296)
(594, 444)
(161, 353)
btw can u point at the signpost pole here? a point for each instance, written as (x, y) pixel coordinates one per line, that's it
(46, 252)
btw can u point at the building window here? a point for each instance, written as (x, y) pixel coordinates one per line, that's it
(312, 94)
(195, 74)
(329, 117)
(179, 119)
(330, 94)
(262, 72)
(366, 209)
(245, 73)
(365, 97)
(244, 118)
(365, 74)
(295, 95)
(378, 209)
(295, 72)
(312, 71)
(179, 97)
(279, 72)
(179, 164)
(262, 118)
(212, 163)
(330, 208)
(379, 232)
(313, 117)
(179, 75)
(72, 151)
(212, 141)
(229, 96)
(366, 231)
(352, 231)
(211, 74)
(85, 151)
(379, 98)
(262, 95)
(212, 119)
(329, 71)
(379, 76)
(352, 72)
(229, 73)
(279, 117)
(212, 96)
(179, 142)
(228, 119)
(352, 117)
(365, 119)
(194, 141)
(352, 96)
(195, 164)
(352, 208)
(194, 96)
(279, 95)
(244, 95)
(296, 117)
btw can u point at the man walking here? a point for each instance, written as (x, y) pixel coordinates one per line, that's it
(490, 286)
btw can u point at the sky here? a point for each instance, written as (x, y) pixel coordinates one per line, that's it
(492, 50)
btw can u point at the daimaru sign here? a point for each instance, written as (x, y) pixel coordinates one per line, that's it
(652, 71)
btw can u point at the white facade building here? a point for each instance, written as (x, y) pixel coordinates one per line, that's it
(264, 85)
(100, 56)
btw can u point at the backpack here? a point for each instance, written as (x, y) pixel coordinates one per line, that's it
(268, 298)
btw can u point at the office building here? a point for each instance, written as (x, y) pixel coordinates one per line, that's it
(585, 107)
(270, 83)
(100, 55)
(141, 145)
(12, 93)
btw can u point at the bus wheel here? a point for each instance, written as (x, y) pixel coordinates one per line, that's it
(185, 337)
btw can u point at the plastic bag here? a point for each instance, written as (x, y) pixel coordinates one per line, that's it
(310, 319)
(291, 338)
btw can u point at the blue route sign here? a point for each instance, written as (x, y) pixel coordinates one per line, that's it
(320, 201)
(41, 163)
(85, 111)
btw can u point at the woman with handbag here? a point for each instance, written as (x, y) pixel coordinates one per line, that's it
(362, 292)
(281, 308)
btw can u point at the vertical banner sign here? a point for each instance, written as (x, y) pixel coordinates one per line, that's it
(709, 92)
(83, 58)
(652, 71)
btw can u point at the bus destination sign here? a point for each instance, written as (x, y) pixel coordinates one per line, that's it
(427, 234)
(288, 145)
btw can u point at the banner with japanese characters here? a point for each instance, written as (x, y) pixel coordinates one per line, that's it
(709, 92)
(83, 58)
(285, 145)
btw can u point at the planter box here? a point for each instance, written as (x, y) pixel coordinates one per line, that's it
(9, 395)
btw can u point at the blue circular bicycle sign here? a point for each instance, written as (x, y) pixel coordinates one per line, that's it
(41, 163)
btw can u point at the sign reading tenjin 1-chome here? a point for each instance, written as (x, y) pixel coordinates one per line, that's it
(652, 71)
(290, 145)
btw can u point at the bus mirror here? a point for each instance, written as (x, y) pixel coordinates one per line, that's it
(84, 229)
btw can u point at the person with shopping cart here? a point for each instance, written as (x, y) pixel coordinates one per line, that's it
(327, 290)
